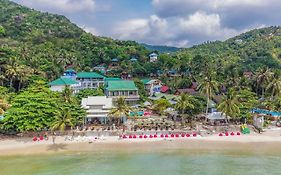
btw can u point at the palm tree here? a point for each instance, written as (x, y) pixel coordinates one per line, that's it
(63, 119)
(262, 78)
(208, 87)
(67, 94)
(121, 109)
(161, 105)
(274, 87)
(230, 104)
(3, 106)
(184, 103)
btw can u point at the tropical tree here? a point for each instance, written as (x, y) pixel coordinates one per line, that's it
(230, 104)
(62, 119)
(247, 101)
(67, 94)
(120, 110)
(263, 76)
(184, 103)
(208, 87)
(89, 92)
(161, 105)
(274, 87)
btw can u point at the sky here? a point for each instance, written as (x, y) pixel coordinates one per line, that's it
(180, 23)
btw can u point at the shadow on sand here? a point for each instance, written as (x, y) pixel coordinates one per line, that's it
(57, 147)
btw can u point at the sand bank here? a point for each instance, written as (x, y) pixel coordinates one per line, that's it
(268, 142)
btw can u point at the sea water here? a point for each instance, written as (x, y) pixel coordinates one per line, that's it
(176, 162)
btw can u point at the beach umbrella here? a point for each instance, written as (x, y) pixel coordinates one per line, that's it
(134, 136)
(194, 135)
(226, 134)
(155, 136)
(124, 136)
(238, 133)
(140, 136)
(177, 135)
(150, 136)
(166, 135)
(220, 134)
(145, 136)
(130, 136)
(182, 135)
(187, 135)
(162, 135)
(232, 133)
(172, 135)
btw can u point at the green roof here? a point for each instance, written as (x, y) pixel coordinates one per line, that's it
(145, 81)
(112, 79)
(121, 85)
(89, 75)
(63, 81)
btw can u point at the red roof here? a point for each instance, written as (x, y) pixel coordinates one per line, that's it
(164, 89)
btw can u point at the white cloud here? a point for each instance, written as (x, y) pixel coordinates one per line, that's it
(67, 6)
(176, 31)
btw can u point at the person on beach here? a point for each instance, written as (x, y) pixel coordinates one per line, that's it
(54, 137)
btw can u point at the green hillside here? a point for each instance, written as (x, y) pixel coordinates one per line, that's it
(47, 43)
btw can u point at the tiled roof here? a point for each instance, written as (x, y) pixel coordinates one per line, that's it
(89, 75)
(63, 81)
(121, 85)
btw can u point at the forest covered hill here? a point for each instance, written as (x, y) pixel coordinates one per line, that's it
(34, 43)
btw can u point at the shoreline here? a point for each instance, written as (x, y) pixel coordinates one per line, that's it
(263, 143)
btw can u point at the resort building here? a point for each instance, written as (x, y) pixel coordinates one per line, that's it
(97, 109)
(78, 81)
(153, 57)
(59, 84)
(152, 86)
(90, 80)
(122, 88)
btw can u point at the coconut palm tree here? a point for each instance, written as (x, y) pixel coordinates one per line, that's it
(63, 119)
(121, 109)
(184, 103)
(161, 105)
(67, 94)
(230, 104)
(208, 87)
(274, 87)
(263, 76)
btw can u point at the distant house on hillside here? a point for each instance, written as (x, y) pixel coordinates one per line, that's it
(153, 57)
(59, 84)
(152, 86)
(190, 91)
(122, 88)
(101, 69)
(164, 89)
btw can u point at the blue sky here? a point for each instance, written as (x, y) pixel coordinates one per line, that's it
(180, 23)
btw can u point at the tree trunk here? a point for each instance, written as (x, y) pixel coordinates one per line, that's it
(11, 83)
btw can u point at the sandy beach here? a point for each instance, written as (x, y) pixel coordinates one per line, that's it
(268, 142)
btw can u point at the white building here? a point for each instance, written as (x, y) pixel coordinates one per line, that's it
(59, 84)
(97, 108)
(153, 57)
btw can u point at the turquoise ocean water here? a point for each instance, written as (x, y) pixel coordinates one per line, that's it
(150, 163)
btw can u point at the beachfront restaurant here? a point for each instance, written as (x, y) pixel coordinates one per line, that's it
(97, 109)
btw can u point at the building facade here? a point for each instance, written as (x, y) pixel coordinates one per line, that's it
(97, 109)
(122, 88)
